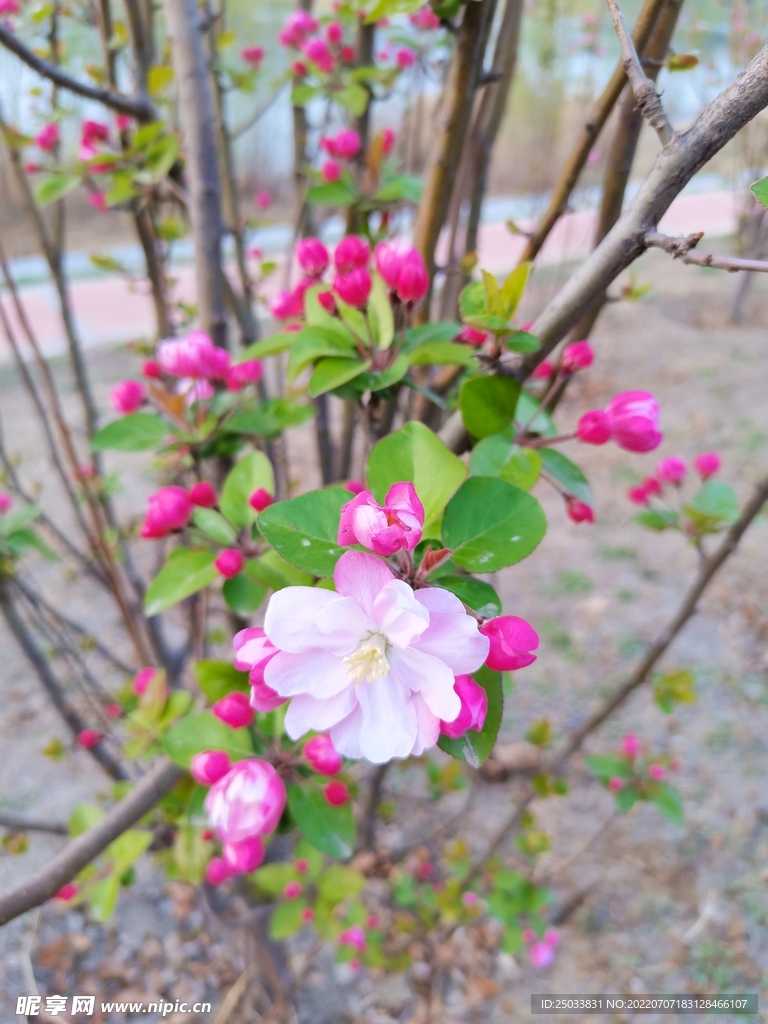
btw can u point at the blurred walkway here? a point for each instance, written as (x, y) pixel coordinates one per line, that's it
(111, 310)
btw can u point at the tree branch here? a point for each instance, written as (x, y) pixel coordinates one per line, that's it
(680, 249)
(646, 96)
(20, 824)
(158, 781)
(141, 109)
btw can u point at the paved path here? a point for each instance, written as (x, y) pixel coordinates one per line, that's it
(110, 310)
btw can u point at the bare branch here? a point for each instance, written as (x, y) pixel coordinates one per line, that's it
(158, 781)
(17, 823)
(646, 96)
(139, 108)
(681, 249)
(257, 114)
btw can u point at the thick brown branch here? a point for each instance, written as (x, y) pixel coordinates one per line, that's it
(158, 781)
(141, 109)
(646, 96)
(681, 249)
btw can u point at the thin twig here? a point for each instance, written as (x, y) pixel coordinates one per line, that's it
(681, 249)
(646, 96)
(17, 823)
(258, 113)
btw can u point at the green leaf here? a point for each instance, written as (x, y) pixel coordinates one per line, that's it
(331, 193)
(760, 191)
(243, 594)
(522, 341)
(273, 878)
(383, 378)
(315, 343)
(304, 530)
(22, 540)
(332, 373)
(442, 353)
(489, 524)
(268, 419)
(162, 155)
(401, 186)
(476, 594)
(83, 817)
(496, 456)
(380, 309)
(716, 501)
(270, 346)
(286, 919)
(670, 687)
(104, 898)
(473, 301)
(492, 295)
(414, 453)
(204, 731)
(567, 474)
(55, 186)
(214, 525)
(18, 519)
(302, 94)
(317, 316)
(339, 882)
(427, 333)
(158, 79)
(250, 473)
(135, 433)
(187, 571)
(354, 98)
(329, 829)
(513, 288)
(218, 678)
(274, 572)
(386, 8)
(667, 799)
(606, 766)
(473, 747)
(488, 404)
(662, 519)
(529, 414)
(127, 849)
(626, 799)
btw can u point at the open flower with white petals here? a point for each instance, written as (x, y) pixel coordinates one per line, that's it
(374, 663)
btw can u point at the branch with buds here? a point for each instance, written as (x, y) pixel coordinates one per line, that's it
(682, 249)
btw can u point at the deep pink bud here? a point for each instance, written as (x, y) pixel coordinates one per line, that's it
(263, 199)
(249, 372)
(142, 679)
(243, 856)
(260, 499)
(123, 122)
(318, 52)
(630, 745)
(388, 139)
(66, 892)
(113, 710)
(253, 54)
(194, 356)
(128, 396)
(707, 464)
(405, 58)
(9, 7)
(302, 865)
(344, 145)
(638, 495)
(543, 371)
(413, 279)
(371, 921)
(253, 651)
(594, 427)
(471, 336)
(94, 131)
(287, 306)
(299, 69)
(169, 509)
(307, 915)
(293, 890)
(334, 33)
(577, 356)
(209, 766)
(383, 529)
(354, 936)
(425, 19)
(551, 938)
(615, 783)
(322, 755)
(248, 801)
(541, 954)
(98, 201)
(234, 710)
(47, 137)
(656, 771)
(389, 258)
(351, 253)
(203, 494)
(312, 256)
(354, 287)
(651, 485)
(671, 470)
(347, 54)
(230, 562)
(512, 640)
(330, 171)
(217, 871)
(354, 486)
(89, 738)
(327, 301)
(5, 501)
(336, 793)
(633, 419)
(578, 511)
(474, 708)
(152, 369)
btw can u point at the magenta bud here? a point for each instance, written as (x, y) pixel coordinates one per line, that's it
(671, 470)
(234, 710)
(209, 766)
(630, 745)
(203, 494)
(293, 890)
(336, 793)
(354, 287)
(511, 641)
(142, 679)
(217, 871)
(260, 499)
(577, 356)
(128, 396)
(248, 801)
(474, 708)
(229, 562)
(244, 855)
(89, 738)
(312, 256)
(593, 427)
(707, 464)
(322, 755)
(578, 511)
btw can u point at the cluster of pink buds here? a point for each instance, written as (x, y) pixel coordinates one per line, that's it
(577, 356)
(541, 952)
(630, 420)
(196, 358)
(323, 51)
(253, 55)
(631, 749)
(245, 803)
(425, 19)
(403, 271)
(672, 471)
(343, 146)
(91, 133)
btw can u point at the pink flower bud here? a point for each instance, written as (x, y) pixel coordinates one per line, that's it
(152, 369)
(286, 306)
(113, 710)
(98, 201)
(474, 708)
(707, 464)
(354, 936)
(203, 494)
(511, 641)
(94, 131)
(230, 562)
(248, 801)
(354, 287)
(529, 935)
(318, 52)
(243, 856)
(260, 499)
(253, 54)
(651, 485)
(9, 7)
(638, 495)
(5, 501)
(594, 427)
(307, 915)
(128, 396)
(66, 892)
(577, 356)
(344, 145)
(298, 26)
(633, 419)
(671, 470)
(207, 834)
(630, 745)
(241, 374)
(47, 137)
(169, 509)
(195, 356)
(543, 371)
(89, 738)
(327, 301)
(354, 486)
(656, 771)
(264, 698)
(347, 54)
(302, 865)
(383, 529)
(142, 680)
(330, 171)
(334, 33)
(299, 69)
(371, 921)
(336, 793)
(322, 755)
(541, 955)
(425, 19)
(405, 58)
(388, 139)
(471, 336)
(413, 279)
(253, 653)
(351, 253)
(209, 766)
(263, 199)
(312, 256)
(578, 511)
(552, 938)
(293, 890)
(615, 783)
(389, 258)
(217, 871)
(234, 710)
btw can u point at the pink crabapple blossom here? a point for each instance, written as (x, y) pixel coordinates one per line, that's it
(203, 494)
(334, 33)
(152, 369)
(383, 529)
(209, 766)
(405, 58)
(354, 486)
(248, 801)
(330, 171)
(425, 19)
(631, 420)
(253, 54)
(48, 137)
(243, 856)
(543, 371)
(66, 892)
(142, 679)
(352, 253)
(474, 708)
(630, 745)
(217, 872)
(577, 356)
(471, 336)
(322, 755)
(344, 145)
(656, 771)
(250, 371)
(252, 653)
(354, 287)
(169, 509)
(318, 51)
(233, 709)
(372, 663)
(355, 937)
(297, 27)
(293, 890)
(312, 256)
(706, 464)
(671, 470)
(413, 279)
(263, 199)
(94, 131)
(511, 640)
(194, 356)
(5, 501)
(89, 738)
(638, 495)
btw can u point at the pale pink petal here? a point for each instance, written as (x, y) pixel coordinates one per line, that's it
(344, 622)
(404, 498)
(346, 733)
(389, 720)
(290, 622)
(428, 727)
(452, 635)
(361, 576)
(305, 713)
(428, 676)
(319, 673)
(398, 614)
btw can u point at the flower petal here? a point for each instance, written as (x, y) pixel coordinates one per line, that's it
(346, 733)
(389, 720)
(320, 674)
(429, 676)
(344, 624)
(398, 615)
(305, 713)
(452, 635)
(290, 622)
(428, 727)
(361, 576)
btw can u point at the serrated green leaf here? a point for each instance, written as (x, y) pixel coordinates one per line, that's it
(329, 829)
(218, 678)
(567, 474)
(488, 404)
(304, 530)
(332, 373)
(187, 571)
(496, 456)
(55, 186)
(760, 191)
(331, 193)
(243, 594)
(135, 433)
(214, 525)
(606, 766)
(667, 799)
(286, 919)
(442, 353)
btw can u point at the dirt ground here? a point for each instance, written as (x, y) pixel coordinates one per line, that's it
(656, 907)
